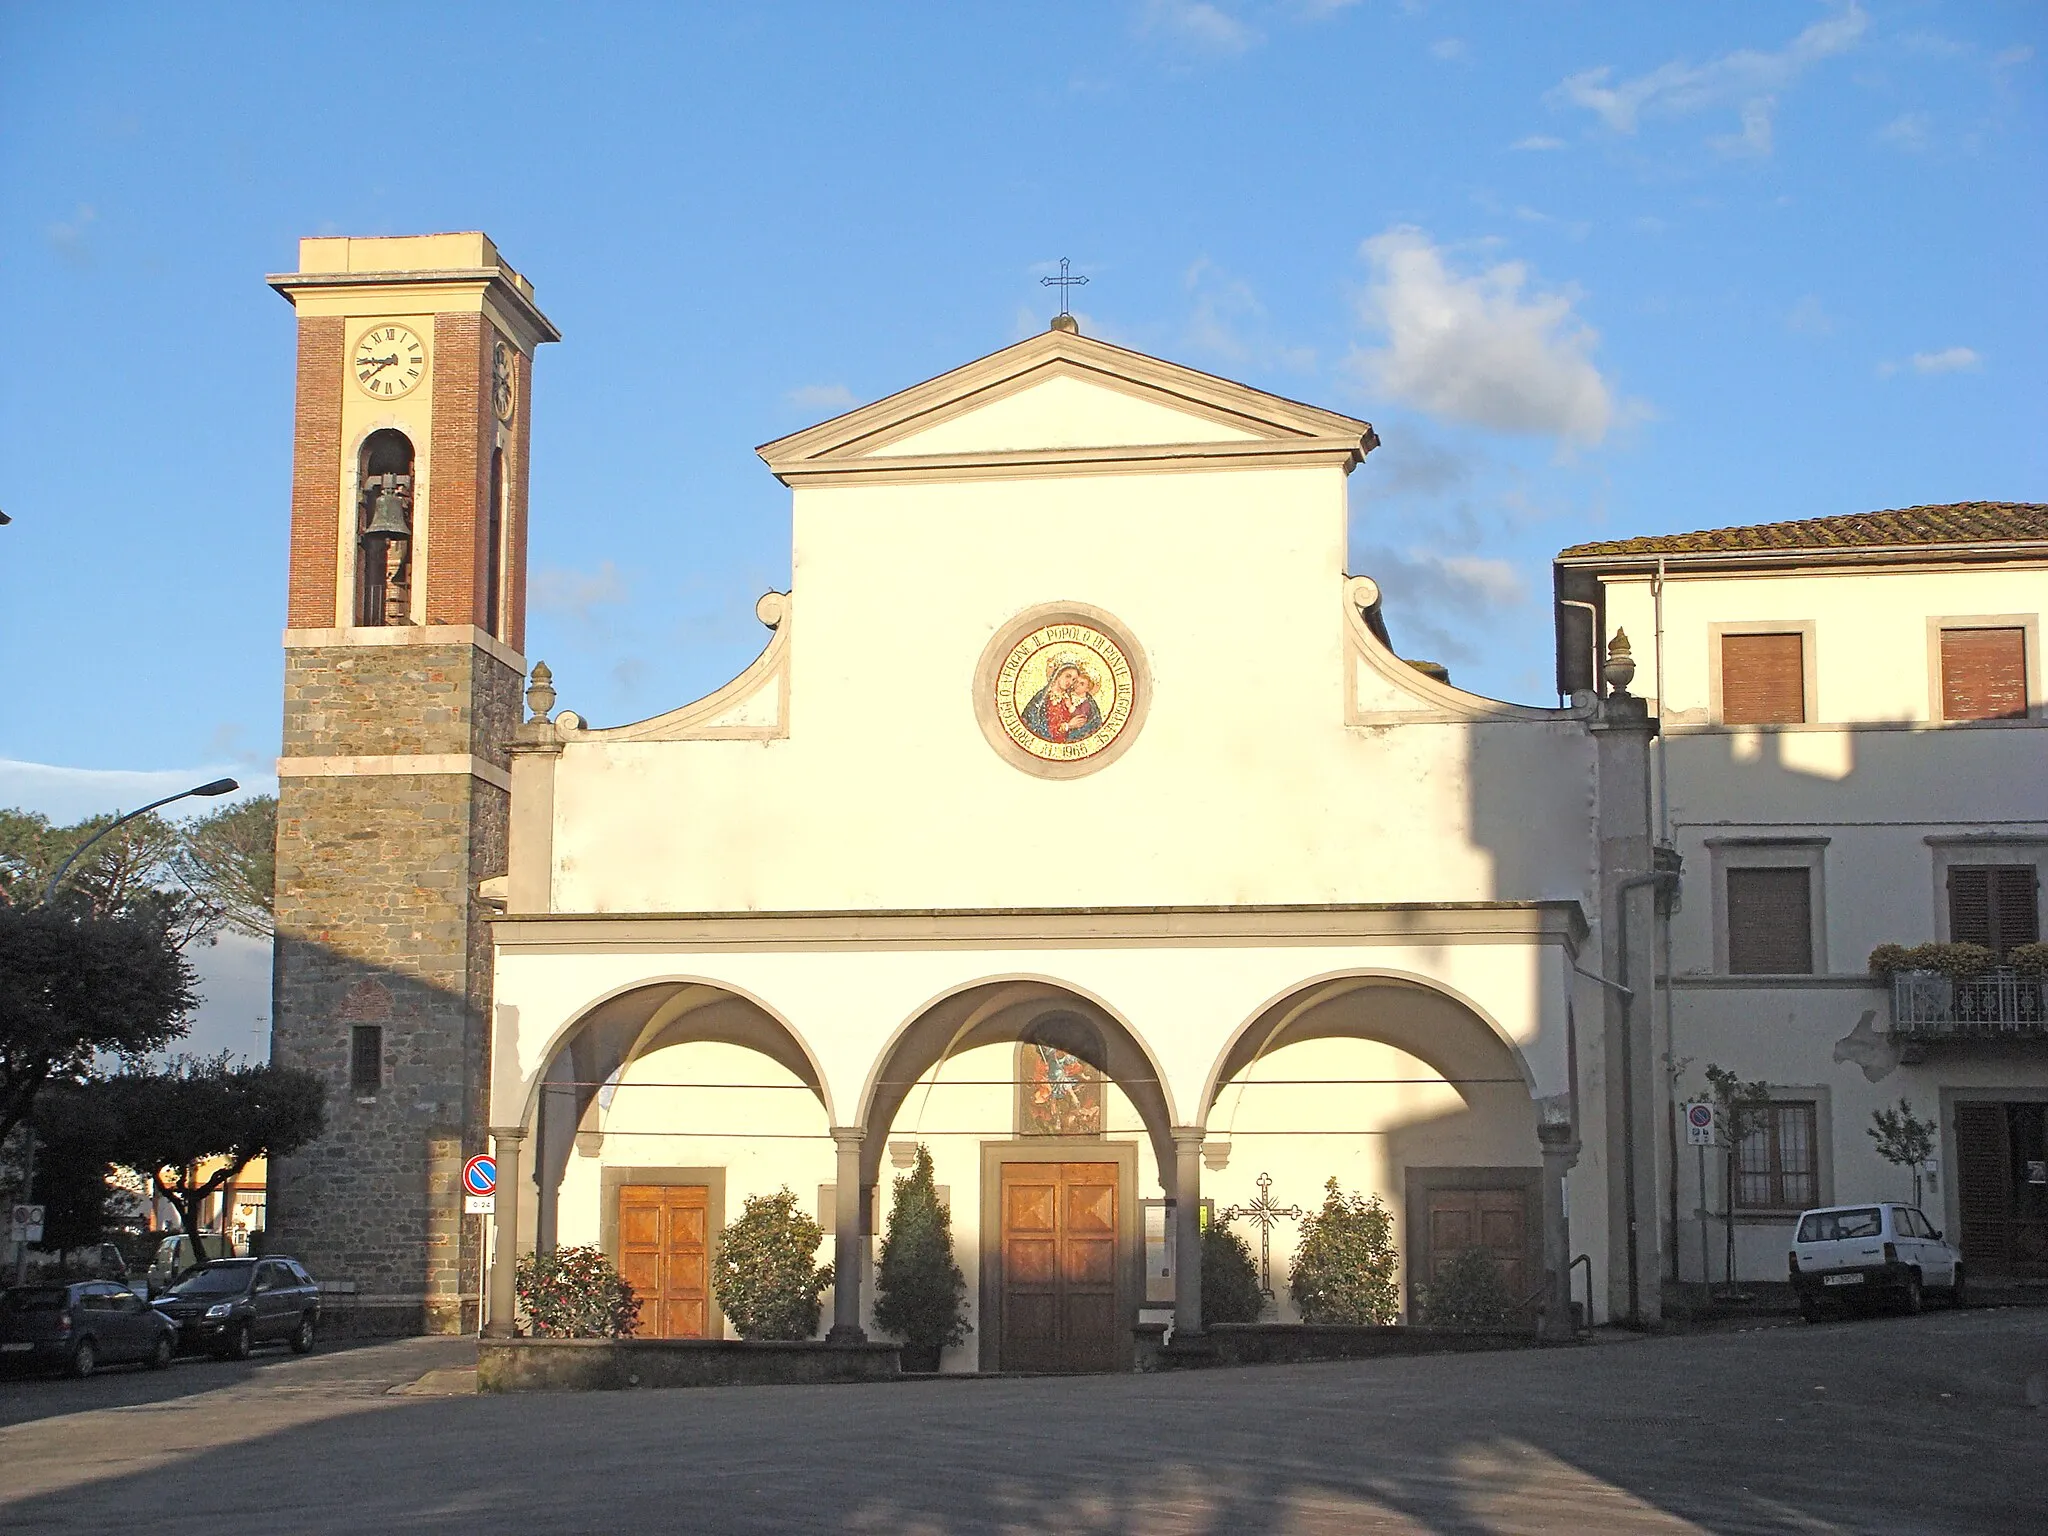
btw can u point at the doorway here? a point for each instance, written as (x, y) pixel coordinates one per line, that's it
(1493, 1209)
(660, 1227)
(1059, 1251)
(2002, 1187)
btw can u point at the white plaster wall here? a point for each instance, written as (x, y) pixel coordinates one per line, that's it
(1243, 785)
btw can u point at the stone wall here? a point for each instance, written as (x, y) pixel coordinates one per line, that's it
(377, 923)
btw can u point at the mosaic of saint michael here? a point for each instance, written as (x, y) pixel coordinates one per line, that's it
(1064, 692)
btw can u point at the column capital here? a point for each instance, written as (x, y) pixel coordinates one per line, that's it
(508, 1133)
(1189, 1135)
(844, 1136)
(1557, 1138)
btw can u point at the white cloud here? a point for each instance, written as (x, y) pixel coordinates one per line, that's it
(822, 397)
(1435, 602)
(68, 237)
(1948, 360)
(1197, 25)
(2013, 57)
(1538, 141)
(1449, 49)
(1483, 348)
(556, 589)
(71, 794)
(1750, 78)
(1228, 321)
(1909, 131)
(1809, 318)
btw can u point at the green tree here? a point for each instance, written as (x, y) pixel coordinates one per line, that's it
(73, 988)
(768, 1280)
(575, 1293)
(229, 860)
(1467, 1292)
(1345, 1265)
(1230, 1278)
(128, 873)
(1741, 1108)
(920, 1293)
(73, 1175)
(165, 1123)
(1903, 1139)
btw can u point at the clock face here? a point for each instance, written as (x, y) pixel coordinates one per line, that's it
(501, 381)
(389, 361)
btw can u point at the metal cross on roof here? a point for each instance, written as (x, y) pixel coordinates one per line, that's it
(1264, 1213)
(1063, 282)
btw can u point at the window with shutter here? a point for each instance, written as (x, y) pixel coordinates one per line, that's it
(1983, 674)
(1776, 1164)
(1770, 922)
(1763, 679)
(1996, 905)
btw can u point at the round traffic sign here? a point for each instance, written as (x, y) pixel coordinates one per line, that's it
(480, 1174)
(1699, 1116)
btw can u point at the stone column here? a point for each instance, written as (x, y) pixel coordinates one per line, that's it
(849, 1247)
(1187, 1233)
(1560, 1151)
(510, 1140)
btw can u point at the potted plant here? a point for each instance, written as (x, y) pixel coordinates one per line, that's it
(920, 1293)
(768, 1279)
(1344, 1267)
(575, 1293)
(1230, 1279)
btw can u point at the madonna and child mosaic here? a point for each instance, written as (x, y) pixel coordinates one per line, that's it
(1064, 692)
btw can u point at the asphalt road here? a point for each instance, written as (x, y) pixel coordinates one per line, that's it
(1884, 1424)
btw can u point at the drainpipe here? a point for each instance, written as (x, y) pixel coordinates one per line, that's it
(1668, 879)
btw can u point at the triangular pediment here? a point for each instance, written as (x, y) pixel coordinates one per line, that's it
(1062, 401)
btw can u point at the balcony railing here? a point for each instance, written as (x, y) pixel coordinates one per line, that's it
(1992, 1005)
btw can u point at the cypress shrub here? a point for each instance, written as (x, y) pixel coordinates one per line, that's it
(920, 1293)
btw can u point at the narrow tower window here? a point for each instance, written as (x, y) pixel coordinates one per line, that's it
(384, 504)
(494, 546)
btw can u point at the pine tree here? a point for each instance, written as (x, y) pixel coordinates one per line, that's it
(919, 1290)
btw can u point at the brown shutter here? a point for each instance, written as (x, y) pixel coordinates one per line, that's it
(1770, 922)
(1983, 674)
(1996, 905)
(1763, 679)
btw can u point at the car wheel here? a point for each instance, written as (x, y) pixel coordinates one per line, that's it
(237, 1344)
(1956, 1294)
(85, 1359)
(302, 1339)
(1912, 1298)
(1809, 1311)
(160, 1355)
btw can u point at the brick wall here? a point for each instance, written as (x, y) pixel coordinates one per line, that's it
(461, 479)
(316, 474)
(515, 531)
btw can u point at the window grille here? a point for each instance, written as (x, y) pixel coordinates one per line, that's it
(1776, 1166)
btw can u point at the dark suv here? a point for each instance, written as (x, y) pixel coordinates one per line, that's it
(231, 1305)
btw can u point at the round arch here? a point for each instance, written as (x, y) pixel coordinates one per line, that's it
(1018, 1008)
(1436, 1024)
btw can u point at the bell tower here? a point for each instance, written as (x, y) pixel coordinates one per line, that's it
(403, 669)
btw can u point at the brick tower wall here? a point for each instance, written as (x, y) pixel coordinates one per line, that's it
(378, 923)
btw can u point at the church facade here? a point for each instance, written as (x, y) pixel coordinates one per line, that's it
(1078, 820)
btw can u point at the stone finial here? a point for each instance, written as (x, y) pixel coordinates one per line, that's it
(1621, 662)
(540, 694)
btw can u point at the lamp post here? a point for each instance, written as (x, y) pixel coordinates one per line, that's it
(216, 787)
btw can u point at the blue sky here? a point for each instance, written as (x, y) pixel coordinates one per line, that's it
(1591, 269)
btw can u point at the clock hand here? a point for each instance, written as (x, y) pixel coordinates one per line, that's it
(379, 362)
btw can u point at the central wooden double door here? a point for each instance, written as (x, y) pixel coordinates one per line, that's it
(664, 1255)
(1059, 1296)
(1496, 1220)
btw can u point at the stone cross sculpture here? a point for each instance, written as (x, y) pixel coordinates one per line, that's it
(1263, 1213)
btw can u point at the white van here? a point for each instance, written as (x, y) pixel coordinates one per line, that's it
(1847, 1253)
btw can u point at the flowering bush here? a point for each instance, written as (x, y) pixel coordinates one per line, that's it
(768, 1277)
(1344, 1268)
(1956, 961)
(2028, 959)
(575, 1293)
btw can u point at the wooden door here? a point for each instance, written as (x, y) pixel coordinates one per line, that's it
(1059, 1258)
(1494, 1219)
(663, 1255)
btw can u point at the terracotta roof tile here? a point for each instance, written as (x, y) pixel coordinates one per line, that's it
(1960, 522)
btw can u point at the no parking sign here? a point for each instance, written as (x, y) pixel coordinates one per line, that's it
(480, 1185)
(1699, 1124)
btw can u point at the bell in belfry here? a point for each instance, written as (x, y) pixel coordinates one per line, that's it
(387, 515)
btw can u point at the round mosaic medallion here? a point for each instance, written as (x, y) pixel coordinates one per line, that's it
(1066, 689)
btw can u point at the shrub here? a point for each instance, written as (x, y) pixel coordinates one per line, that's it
(2028, 959)
(1344, 1268)
(768, 1280)
(920, 1293)
(1956, 961)
(1467, 1292)
(1230, 1280)
(575, 1293)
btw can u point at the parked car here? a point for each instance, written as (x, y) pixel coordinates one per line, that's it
(178, 1255)
(1858, 1252)
(83, 1326)
(94, 1261)
(231, 1305)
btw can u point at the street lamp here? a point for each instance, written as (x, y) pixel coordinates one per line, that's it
(217, 787)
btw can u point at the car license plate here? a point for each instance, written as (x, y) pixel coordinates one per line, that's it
(1841, 1280)
(15, 1349)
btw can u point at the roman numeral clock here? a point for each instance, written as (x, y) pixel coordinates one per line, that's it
(389, 360)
